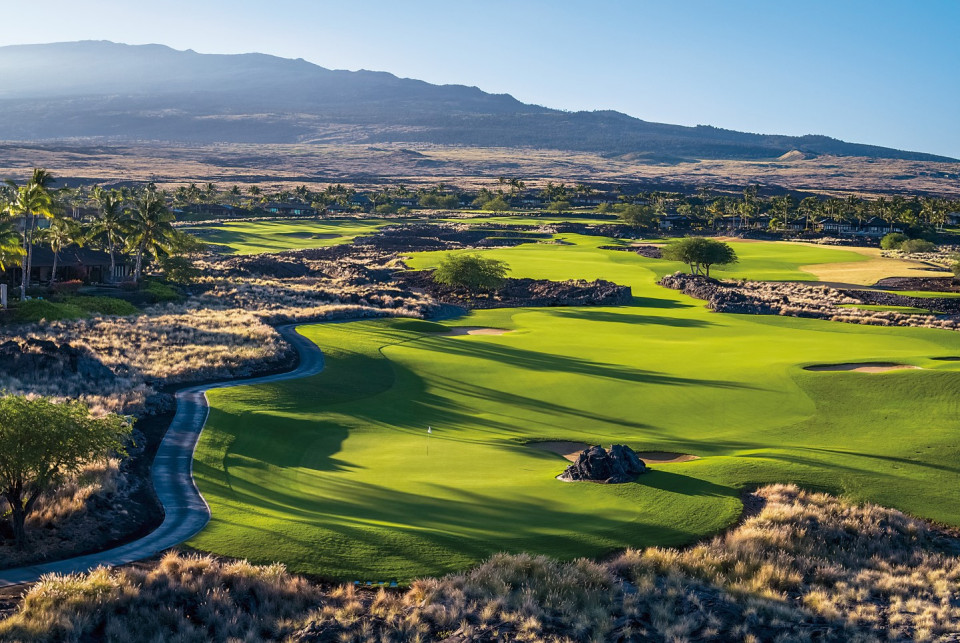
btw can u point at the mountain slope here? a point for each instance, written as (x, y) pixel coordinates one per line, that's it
(151, 92)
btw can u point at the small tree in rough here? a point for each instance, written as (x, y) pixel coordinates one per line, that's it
(893, 241)
(496, 205)
(42, 442)
(700, 253)
(472, 272)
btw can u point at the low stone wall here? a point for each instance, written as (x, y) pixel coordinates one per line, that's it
(800, 300)
(522, 292)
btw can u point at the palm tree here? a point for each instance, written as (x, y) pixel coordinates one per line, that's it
(10, 251)
(61, 233)
(28, 202)
(110, 225)
(808, 209)
(150, 229)
(783, 205)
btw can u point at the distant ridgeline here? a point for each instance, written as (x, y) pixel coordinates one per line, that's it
(152, 92)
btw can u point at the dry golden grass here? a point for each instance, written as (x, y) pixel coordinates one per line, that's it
(469, 167)
(805, 567)
(167, 346)
(62, 520)
(224, 331)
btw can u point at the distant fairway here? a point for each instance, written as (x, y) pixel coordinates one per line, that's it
(252, 237)
(336, 475)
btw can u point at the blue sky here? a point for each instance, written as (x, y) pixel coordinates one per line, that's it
(879, 72)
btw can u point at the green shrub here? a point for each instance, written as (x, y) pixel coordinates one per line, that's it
(917, 245)
(157, 292)
(471, 271)
(179, 269)
(893, 241)
(33, 310)
(103, 305)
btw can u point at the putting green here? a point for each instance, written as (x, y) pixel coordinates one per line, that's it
(336, 474)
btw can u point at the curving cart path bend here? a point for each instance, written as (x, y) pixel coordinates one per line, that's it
(185, 510)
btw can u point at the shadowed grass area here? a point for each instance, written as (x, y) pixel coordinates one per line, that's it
(336, 474)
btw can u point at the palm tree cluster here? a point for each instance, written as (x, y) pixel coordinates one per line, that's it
(810, 213)
(132, 222)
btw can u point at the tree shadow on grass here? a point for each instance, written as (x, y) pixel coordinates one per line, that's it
(673, 482)
(636, 319)
(550, 362)
(874, 456)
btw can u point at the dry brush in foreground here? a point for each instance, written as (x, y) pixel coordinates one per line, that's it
(806, 567)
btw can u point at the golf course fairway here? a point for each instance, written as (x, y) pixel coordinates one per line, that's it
(336, 474)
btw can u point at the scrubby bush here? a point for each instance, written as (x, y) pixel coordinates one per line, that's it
(471, 271)
(179, 269)
(157, 292)
(917, 245)
(802, 567)
(893, 241)
(184, 598)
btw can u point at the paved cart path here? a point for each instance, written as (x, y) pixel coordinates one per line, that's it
(185, 510)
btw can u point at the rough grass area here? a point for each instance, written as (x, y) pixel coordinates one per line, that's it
(175, 346)
(336, 474)
(64, 519)
(805, 567)
(220, 331)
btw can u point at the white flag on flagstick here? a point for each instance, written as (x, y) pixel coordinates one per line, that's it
(429, 430)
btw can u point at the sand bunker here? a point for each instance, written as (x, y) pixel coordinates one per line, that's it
(862, 367)
(475, 330)
(570, 451)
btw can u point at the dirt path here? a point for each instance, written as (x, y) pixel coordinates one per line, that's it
(185, 510)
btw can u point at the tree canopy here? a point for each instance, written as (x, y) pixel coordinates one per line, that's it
(471, 271)
(638, 216)
(700, 253)
(42, 442)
